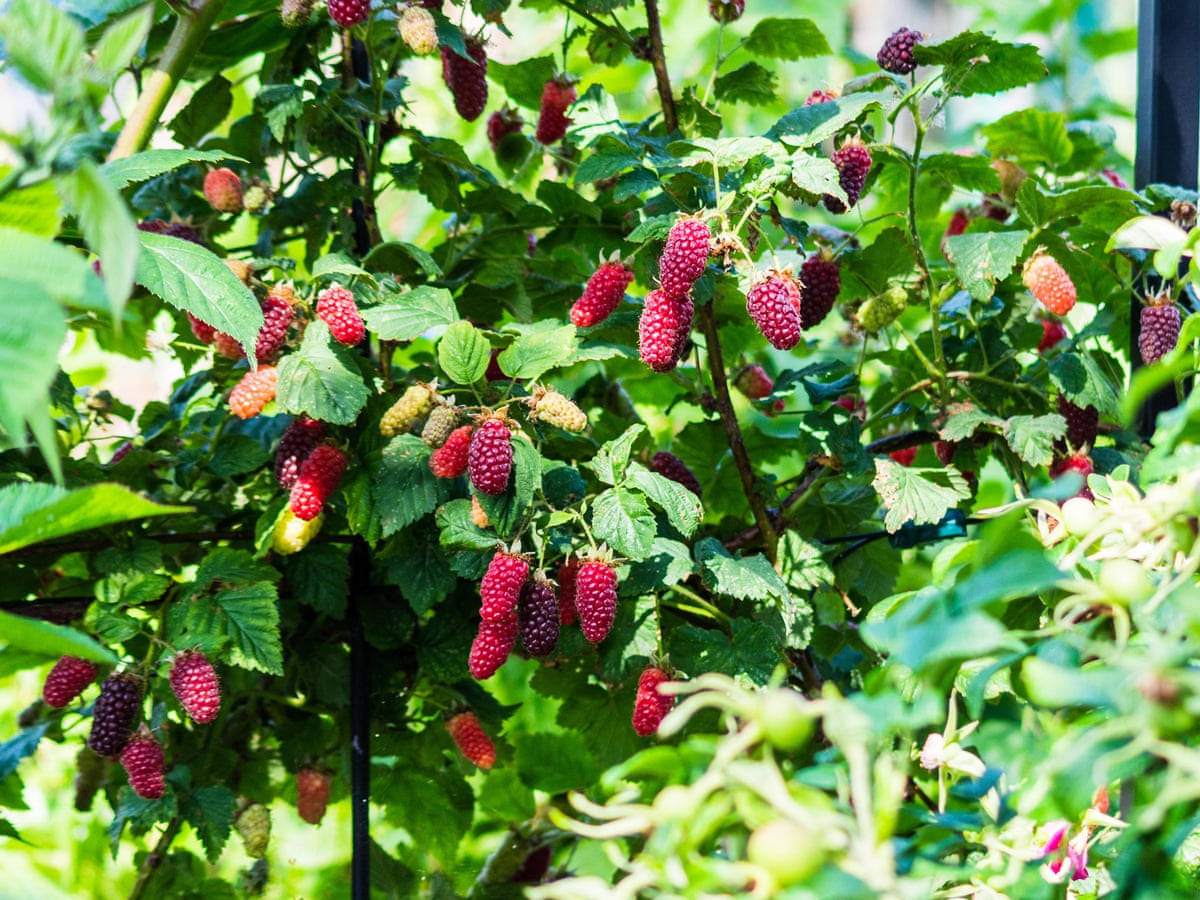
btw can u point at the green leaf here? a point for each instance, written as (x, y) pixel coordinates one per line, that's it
(419, 569)
(974, 173)
(23, 744)
(231, 566)
(205, 110)
(121, 41)
(29, 346)
(33, 209)
(746, 578)
(523, 81)
(976, 63)
(621, 519)
(464, 353)
(193, 279)
(787, 39)
(1055, 687)
(753, 653)
(252, 622)
(319, 577)
(1083, 383)
(1032, 437)
(45, 45)
(36, 636)
(532, 355)
(338, 263)
(817, 175)
(152, 163)
(210, 811)
(681, 505)
(1030, 135)
(237, 454)
(321, 379)
(963, 423)
(982, 259)
(606, 164)
(889, 256)
(917, 495)
(809, 125)
(397, 256)
(1146, 233)
(750, 83)
(456, 531)
(555, 763)
(411, 314)
(403, 489)
(610, 461)
(57, 270)
(31, 513)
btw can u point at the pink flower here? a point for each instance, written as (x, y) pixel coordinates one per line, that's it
(931, 753)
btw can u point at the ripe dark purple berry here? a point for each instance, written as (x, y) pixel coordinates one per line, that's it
(821, 280)
(1160, 332)
(113, 714)
(537, 616)
(896, 53)
(668, 465)
(853, 161)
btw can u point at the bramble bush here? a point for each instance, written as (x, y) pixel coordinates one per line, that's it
(733, 503)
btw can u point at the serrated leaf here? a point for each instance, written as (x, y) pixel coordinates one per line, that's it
(1030, 135)
(777, 38)
(753, 652)
(610, 461)
(205, 110)
(976, 63)
(152, 163)
(816, 174)
(621, 519)
(982, 259)
(29, 347)
(45, 45)
(33, 209)
(809, 125)
(464, 353)
(251, 621)
(210, 811)
(121, 41)
(1146, 233)
(390, 255)
(320, 379)
(458, 532)
(338, 263)
(402, 488)
(419, 570)
(21, 745)
(523, 81)
(750, 83)
(193, 279)
(555, 763)
(963, 423)
(917, 495)
(320, 578)
(1084, 384)
(532, 355)
(974, 173)
(1032, 437)
(746, 578)
(681, 505)
(232, 566)
(411, 314)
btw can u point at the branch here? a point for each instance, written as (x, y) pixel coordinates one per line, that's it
(658, 60)
(155, 857)
(733, 433)
(181, 537)
(190, 30)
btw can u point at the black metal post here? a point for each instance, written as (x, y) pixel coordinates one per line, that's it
(1168, 127)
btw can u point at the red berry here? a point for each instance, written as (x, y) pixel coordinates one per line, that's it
(850, 404)
(489, 459)
(1160, 332)
(467, 79)
(770, 304)
(819, 96)
(1079, 463)
(337, 309)
(662, 323)
(1082, 422)
(298, 440)
(312, 794)
(113, 714)
(683, 329)
(1049, 283)
(277, 317)
(253, 392)
(143, 762)
(596, 599)
(347, 13)
(853, 161)
(225, 345)
(202, 330)
(121, 452)
(905, 457)
(896, 53)
(494, 372)
(668, 465)
(822, 281)
(684, 257)
(67, 680)
(501, 586)
(601, 295)
(1052, 333)
(944, 450)
(491, 647)
(726, 10)
(501, 124)
(172, 229)
(754, 382)
(1114, 178)
(319, 476)
(195, 683)
(557, 96)
(450, 459)
(650, 706)
(537, 616)
(472, 741)
(223, 190)
(568, 572)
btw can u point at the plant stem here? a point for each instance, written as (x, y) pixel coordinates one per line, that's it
(733, 433)
(190, 30)
(155, 858)
(914, 235)
(658, 60)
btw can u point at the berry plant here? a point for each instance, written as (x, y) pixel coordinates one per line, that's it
(734, 492)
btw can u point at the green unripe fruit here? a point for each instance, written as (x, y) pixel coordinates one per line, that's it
(1079, 516)
(785, 720)
(675, 804)
(1125, 581)
(790, 852)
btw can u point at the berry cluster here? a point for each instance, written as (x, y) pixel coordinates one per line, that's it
(472, 741)
(555, 409)
(452, 458)
(490, 456)
(253, 392)
(415, 402)
(650, 705)
(602, 294)
(773, 303)
(196, 686)
(223, 190)
(501, 124)
(557, 96)
(1160, 327)
(896, 53)
(1049, 283)
(319, 477)
(418, 30)
(337, 309)
(312, 794)
(668, 465)
(467, 78)
(853, 162)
